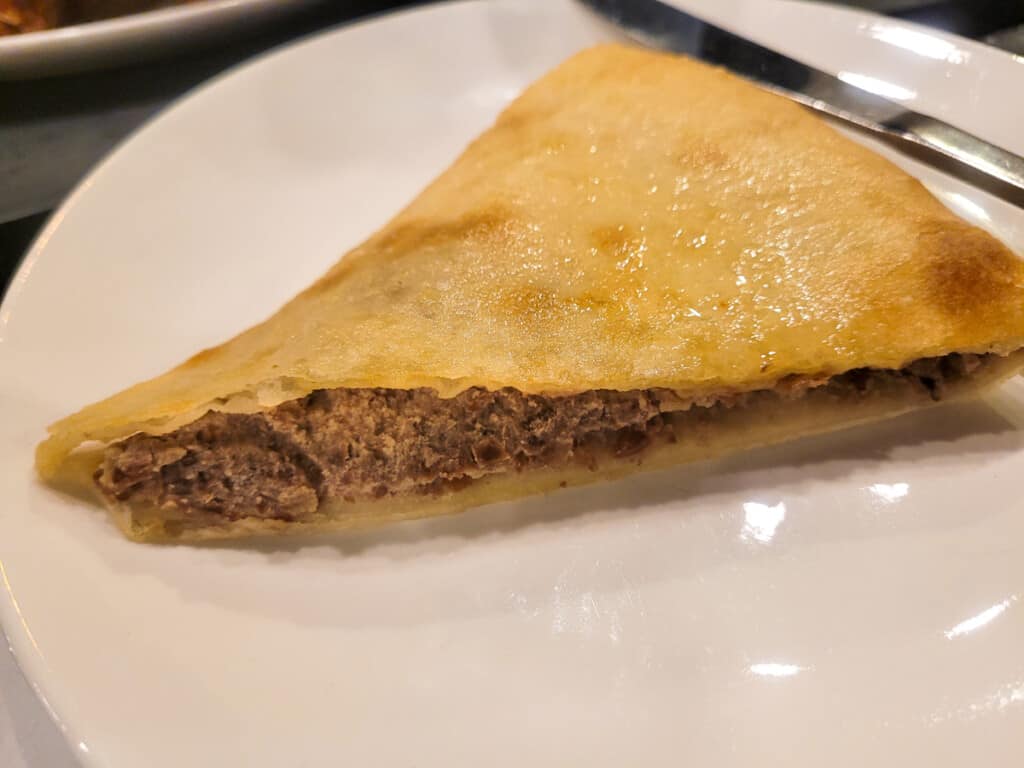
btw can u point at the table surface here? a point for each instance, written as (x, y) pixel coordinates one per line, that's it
(52, 131)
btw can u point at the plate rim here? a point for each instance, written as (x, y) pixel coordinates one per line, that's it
(59, 48)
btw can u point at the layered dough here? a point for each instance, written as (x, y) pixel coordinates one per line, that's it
(337, 447)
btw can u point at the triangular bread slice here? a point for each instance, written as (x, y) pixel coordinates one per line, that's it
(645, 261)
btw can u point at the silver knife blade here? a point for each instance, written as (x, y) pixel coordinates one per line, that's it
(660, 25)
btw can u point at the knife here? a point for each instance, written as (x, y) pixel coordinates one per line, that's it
(660, 25)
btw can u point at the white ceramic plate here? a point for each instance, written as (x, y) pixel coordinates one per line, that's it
(850, 600)
(134, 37)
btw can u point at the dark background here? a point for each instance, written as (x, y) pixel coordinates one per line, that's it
(53, 130)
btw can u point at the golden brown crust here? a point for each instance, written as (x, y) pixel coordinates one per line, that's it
(634, 220)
